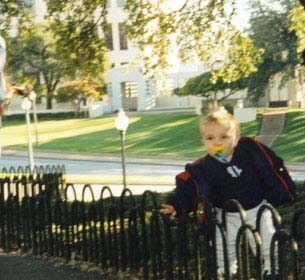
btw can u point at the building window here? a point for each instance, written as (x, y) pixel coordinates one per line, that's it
(147, 84)
(109, 37)
(129, 89)
(120, 3)
(123, 37)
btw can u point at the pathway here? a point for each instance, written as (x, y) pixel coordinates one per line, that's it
(272, 125)
(14, 267)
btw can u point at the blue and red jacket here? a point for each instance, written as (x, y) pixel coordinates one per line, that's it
(258, 174)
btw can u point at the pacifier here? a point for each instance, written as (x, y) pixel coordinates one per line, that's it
(219, 153)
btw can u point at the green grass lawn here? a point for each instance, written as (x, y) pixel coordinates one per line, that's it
(147, 135)
(291, 143)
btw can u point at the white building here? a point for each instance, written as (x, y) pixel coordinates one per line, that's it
(128, 88)
(290, 93)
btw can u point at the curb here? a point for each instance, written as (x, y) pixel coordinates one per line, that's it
(45, 154)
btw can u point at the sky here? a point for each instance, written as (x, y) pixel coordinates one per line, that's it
(243, 14)
(241, 20)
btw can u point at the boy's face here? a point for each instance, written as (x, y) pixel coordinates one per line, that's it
(216, 135)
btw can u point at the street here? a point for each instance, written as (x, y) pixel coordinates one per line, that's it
(96, 167)
(115, 169)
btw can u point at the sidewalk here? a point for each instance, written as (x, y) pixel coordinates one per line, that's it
(15, 267)
(49, 154)
(272, 126)
(53, 154)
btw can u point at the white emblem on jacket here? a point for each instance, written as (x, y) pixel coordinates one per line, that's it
(234, 171)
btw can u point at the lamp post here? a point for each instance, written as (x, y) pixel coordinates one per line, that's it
(32, 97)
(121, 124)
(2, 82)
(26, 106)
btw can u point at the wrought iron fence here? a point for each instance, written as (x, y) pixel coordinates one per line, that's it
(21, 181)
(128, 234)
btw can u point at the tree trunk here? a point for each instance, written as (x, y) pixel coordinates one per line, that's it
(213, 106)
(210, 105)
(49, 101)
(77, 103)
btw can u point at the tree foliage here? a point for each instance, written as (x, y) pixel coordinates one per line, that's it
(204, 86)
(32, 59)
(13, 13)
(67, 45)
(80, 90)
(201, 30)
(77, 26)
(269, 29)
(297, 16)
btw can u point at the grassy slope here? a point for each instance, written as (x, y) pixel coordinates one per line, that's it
(291, 143)
(161, 135)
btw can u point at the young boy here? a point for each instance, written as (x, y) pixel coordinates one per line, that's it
(235, 168)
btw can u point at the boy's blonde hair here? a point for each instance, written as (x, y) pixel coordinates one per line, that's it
(221, 116)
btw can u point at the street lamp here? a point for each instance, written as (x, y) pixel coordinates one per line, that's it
(121, 124)
(32, 97)
(26, 106)
(2, 82)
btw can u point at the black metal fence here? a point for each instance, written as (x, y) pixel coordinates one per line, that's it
(128, 234)
(22, 182)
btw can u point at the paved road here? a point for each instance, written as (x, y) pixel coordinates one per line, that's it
(74, 166)
(97, 167)
(115, 168)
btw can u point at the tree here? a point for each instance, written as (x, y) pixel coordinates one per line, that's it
(269, 29)
(13, 13)
(77, 27)
(202, 30)
(302, 2)
(79, 92)
(32, 61)
(66, 46)
(204, 86)
(297, 16)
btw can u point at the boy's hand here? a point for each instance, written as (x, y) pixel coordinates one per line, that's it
(167, 209)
